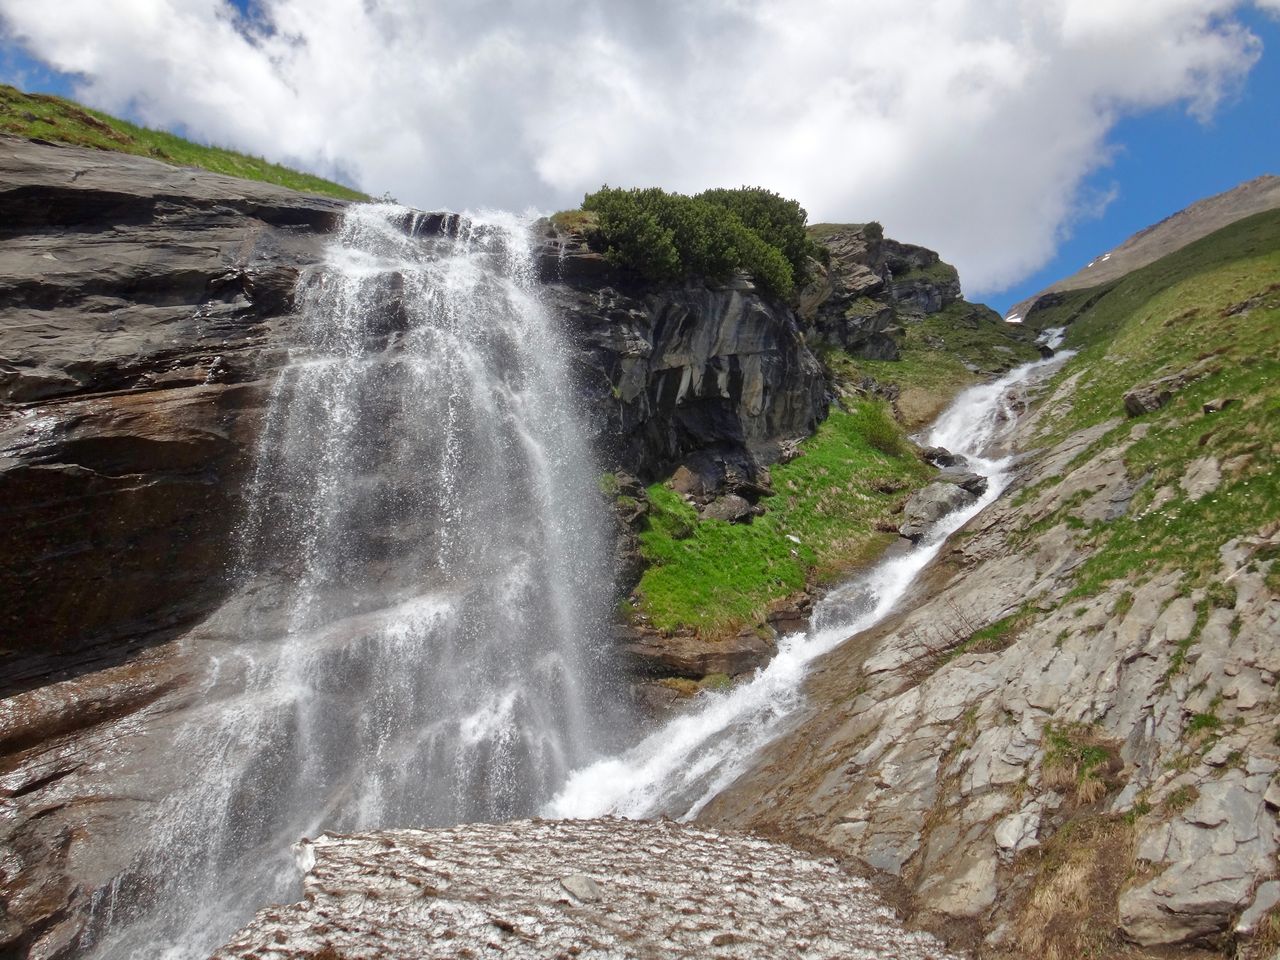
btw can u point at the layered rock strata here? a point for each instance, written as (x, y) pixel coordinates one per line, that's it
(146, 307)
(951, 747)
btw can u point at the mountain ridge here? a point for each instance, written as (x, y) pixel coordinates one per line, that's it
(1164, 237)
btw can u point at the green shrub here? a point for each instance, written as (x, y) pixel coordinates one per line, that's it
(778, 221)
(666, 237)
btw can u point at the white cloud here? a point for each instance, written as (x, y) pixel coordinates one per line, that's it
(967, 125)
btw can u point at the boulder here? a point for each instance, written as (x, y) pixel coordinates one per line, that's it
(942, 457)
(1219, 404)
(1146, 399)
(730, 509)
(974, 483)
(790, 614)
(929, 505)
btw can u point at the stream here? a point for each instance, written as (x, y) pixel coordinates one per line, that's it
(681, 766)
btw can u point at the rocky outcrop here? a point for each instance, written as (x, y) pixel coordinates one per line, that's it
(868, 285)
(951, 747)
(687, 371)
(930, 504)
(585, 888)
(684, 654)
(147, 306)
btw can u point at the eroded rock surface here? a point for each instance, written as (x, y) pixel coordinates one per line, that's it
(670, 372)
(585, 888)
(146, 307)
(946, 747)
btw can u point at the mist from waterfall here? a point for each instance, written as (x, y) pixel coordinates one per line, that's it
(423, 580)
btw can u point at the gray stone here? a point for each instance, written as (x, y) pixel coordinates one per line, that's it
(582, 887)
(1264, 898)
(929, 505)
(1203, 476)
(731, 509)
(972, 482)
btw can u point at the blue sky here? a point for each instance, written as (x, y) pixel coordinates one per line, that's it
(980, 129)
(1165, 160)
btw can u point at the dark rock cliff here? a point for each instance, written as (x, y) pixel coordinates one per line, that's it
(671, 371)
(147, 310)
(145, 306)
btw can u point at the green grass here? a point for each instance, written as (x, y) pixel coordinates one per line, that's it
(996, 636)
(1160, 320)
(939, 272)
(45, 117)
(716, 577)
(934, 354)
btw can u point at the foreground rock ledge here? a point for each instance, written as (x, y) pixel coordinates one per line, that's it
(579, 888)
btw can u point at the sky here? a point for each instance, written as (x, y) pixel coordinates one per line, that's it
(1019, 138)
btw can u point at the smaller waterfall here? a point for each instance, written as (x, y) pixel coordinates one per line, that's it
(423, 591)
(682, 766)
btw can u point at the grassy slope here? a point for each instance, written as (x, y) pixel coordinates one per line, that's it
(717, 577)
(935, 350)
(44, 117)
(1160, 320)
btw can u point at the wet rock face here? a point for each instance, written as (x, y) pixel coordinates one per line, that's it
(930, 504)
(146, 307)
(585, 888)
(672, 372)
(649, 653)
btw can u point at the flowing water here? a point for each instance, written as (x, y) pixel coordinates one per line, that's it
(422, 585)
(680, 767)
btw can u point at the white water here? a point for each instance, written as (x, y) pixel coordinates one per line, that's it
(422, 588)
(680, 767)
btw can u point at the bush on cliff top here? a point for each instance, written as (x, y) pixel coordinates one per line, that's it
(665, 237)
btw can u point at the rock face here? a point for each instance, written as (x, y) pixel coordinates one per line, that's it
(869, 283)
(1144, 717)
(146, 306)
(694, 369)
(585, 888)
(148, 311)
(929, 505)
(648, 653)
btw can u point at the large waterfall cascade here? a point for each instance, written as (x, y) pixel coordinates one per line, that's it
(423, 585)
(680, 767)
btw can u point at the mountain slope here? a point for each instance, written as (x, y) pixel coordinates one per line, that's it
(1161, 239)
(1068, 747)
(41, 116)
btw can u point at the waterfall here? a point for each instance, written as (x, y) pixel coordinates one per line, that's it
(423, 584)
(683, 765)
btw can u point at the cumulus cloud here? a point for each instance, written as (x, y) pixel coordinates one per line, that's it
(967, 125)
